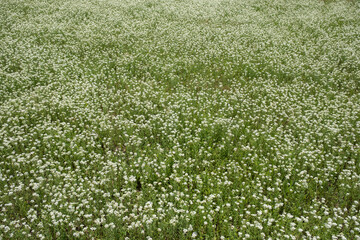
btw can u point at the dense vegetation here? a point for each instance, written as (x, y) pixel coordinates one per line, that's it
(179, 119)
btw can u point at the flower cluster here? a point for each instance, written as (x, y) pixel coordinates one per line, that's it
(179, 119)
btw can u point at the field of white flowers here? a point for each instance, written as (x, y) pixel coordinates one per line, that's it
(179, 119)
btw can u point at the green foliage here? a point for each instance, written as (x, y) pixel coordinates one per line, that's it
(179, 119)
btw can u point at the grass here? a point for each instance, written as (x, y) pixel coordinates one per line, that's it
(179, 119)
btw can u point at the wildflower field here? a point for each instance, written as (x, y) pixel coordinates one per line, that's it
(179, 119)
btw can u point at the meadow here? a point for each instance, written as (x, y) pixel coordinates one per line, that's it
(179, 119)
